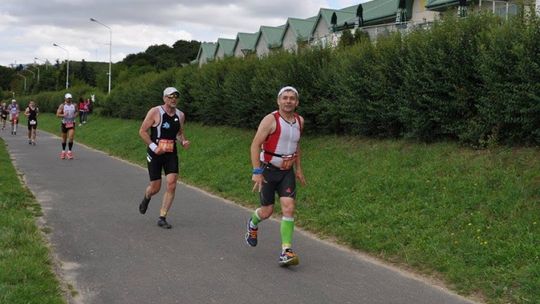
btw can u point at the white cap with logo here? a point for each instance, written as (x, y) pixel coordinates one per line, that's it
(67, 96)
(170, 90)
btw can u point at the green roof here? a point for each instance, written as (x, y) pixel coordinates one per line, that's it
(227, 45)
(246, 40)
(207, 51)
(376, 12)
(272, 34)
(300, 27)
(326, 15)
(440, 4)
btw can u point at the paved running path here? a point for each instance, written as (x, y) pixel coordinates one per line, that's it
(113, 254)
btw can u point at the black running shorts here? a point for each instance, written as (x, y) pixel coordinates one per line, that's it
(64, 129)
(167, 162)
(30, 127)
(282, 182)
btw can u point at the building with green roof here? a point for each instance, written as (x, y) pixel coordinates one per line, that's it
(224, 48)
(269, 38)
(206, 52)
(322, 32)
(297, 31)
(245, 44)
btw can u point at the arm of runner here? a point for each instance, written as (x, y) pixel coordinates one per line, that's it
(298, 162)
(266, 127)
(298, 167)
(60, 111)
(181, 137)
(27, 112)
(147, 123)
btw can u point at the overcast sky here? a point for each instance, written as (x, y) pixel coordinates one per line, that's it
(30, 27)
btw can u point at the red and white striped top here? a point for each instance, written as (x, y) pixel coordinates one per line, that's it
(283, 141)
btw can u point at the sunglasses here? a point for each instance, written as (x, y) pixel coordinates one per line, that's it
(173, 96)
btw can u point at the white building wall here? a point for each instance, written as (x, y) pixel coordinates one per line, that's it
(321, 30)
(289, 41)
(220, 54)
(238, 51)
(420, 14)
(262, 47)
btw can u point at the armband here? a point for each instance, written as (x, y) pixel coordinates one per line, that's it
(257, 171)
(152, 147)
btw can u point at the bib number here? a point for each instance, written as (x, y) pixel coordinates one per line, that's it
(69, 124)
(166, 145)
(33, 122)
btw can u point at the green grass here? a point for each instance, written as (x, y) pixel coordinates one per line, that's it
(470, 218)
(26, 274)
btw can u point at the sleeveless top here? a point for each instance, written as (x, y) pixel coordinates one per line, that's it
(282, 142)
(13, 109)
(167, 128)
(32, 114)
(69, 113)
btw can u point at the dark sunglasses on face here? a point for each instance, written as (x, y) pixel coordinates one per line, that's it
(173, 96)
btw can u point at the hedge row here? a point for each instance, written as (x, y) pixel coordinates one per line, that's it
(473, 79)
(49, 101)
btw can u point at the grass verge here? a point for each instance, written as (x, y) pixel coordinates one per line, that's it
(470, 218)
(26, 274)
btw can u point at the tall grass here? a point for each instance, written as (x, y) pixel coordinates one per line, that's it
(469, 217)
(25, 269)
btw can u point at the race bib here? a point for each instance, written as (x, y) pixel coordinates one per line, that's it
(69, 124)
(33, 122)
(288, 161)
(166, 145)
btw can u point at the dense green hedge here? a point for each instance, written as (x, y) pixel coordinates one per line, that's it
(473, 79)
(49, 101)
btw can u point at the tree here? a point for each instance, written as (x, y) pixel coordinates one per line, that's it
(5, 77)
(346, 39)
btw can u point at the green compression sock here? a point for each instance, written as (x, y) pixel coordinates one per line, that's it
(255, 219)
(287, 229)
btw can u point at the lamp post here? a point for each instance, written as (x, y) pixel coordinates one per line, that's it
(19, 74)
(33, 74)
(46, 61)
(110, 50)
(37, 67)
(67, 69)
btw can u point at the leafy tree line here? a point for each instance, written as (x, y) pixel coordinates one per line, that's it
(474, 80)
(52, 76)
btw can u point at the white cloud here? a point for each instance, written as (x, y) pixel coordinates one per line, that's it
(29, 28)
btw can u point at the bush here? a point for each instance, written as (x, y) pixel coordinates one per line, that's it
(471, 79)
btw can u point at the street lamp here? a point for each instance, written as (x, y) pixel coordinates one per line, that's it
(37, 67)
(46, 61)
(110, 50)
(67, 70)
(19, 74)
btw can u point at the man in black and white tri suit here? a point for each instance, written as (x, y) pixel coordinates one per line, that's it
(165, 123)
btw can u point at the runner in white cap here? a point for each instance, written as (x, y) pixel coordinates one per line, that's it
(68, 112)
(166, 125)
(14, 111)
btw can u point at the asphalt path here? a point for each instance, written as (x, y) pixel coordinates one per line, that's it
(112, 254)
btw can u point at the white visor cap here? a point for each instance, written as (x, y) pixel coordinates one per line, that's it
(288, 88)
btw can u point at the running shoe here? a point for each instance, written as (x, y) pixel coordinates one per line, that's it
(63, 155)
(251, 235)
(288, 258)
(29, 142)
(144, 205)
(162, 222)
(70, 155)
